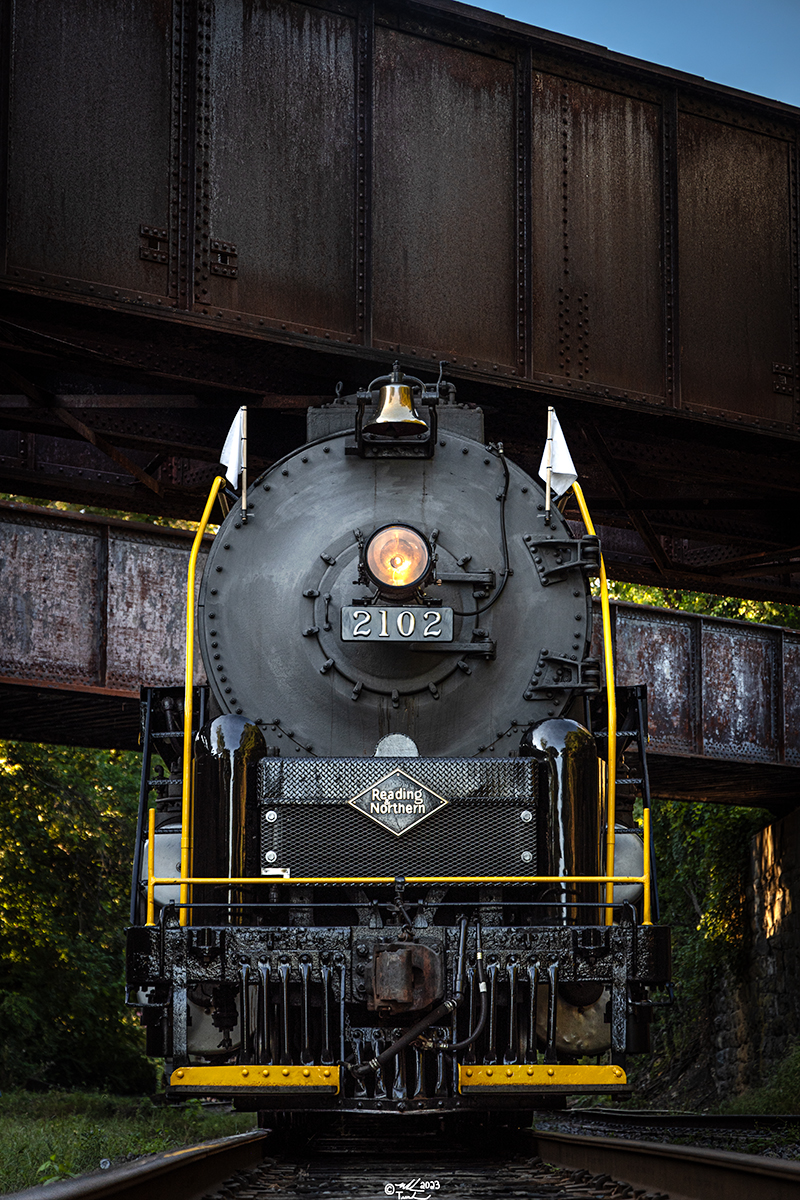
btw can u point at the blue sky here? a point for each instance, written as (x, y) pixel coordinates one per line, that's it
(753, 45)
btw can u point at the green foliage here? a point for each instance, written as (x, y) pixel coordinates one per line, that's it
(703, 855)
(118, 514)
(67, 821)
(780, 1095)
(55, 1135)
(53, 1170)
(765, 612)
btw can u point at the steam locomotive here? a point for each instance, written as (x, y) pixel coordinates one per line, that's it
(377, 880)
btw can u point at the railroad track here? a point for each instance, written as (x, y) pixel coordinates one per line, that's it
(416, 1163)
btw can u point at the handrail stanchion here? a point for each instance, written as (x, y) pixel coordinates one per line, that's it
(151, 867)
(646, 914)
(186, 799)
(608, 655)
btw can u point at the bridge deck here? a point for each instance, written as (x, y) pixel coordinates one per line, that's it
(93, 607)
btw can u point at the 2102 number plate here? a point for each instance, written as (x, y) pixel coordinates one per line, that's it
(412, 624)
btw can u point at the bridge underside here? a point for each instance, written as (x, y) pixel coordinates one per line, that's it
(680, 501)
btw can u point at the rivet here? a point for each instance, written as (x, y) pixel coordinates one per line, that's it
(469, 1071)
(550, 1071)
(179, 1074)
(326, 1073)
(509, 1072)
(285, 1071)
(265, 1074)
(489, 1071)
(306, 1073)
(245, 1071)
(530, 1070)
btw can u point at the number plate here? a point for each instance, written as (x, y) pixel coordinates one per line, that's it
(413, 624)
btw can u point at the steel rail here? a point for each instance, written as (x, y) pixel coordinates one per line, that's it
(684, 1172)
(656, 1118)
(184, 1174)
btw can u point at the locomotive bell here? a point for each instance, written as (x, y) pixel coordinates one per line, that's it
(396, 416)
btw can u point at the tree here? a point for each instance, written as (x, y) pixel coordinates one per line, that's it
(764, 612)
(67, 819)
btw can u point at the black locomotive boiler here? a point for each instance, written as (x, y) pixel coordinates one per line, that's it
(380, 883)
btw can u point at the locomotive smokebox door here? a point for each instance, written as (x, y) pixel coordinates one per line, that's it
(415, 589)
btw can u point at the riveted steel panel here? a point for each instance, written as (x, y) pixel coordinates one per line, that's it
(734, 209)
(598, 288)
(93, 604)
(656, 648)
(147, 611)
(50, 625)
(279, 164)
(791, 697)
(444, 216)
(740, 692)
(89, 141)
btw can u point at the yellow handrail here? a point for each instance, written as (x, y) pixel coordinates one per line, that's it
(608, 654)
(646, 915)
(151, 865)
(609, 880)
(186, 798)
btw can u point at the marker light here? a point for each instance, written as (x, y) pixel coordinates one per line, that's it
(397, 559)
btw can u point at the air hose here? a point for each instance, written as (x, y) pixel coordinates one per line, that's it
(411, 1035)
(484, 1009)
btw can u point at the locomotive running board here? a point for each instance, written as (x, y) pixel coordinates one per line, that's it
(276, 1079)
(522, 1078)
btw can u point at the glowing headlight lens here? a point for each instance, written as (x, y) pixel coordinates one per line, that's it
(397, 558)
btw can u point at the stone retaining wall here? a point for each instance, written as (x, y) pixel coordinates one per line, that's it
(757, 1017)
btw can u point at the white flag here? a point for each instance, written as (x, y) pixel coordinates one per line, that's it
(563, 473)
(231, 457)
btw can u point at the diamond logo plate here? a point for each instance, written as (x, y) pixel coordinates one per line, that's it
(397, 802)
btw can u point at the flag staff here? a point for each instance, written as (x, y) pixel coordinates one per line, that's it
(549, 475)
(244, 464)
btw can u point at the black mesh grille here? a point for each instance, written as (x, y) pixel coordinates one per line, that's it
(485, 829)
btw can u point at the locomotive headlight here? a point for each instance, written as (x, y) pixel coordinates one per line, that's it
(397, 558)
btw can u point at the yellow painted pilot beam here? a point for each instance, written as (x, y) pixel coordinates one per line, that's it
(538, 1075)
(300, 1078)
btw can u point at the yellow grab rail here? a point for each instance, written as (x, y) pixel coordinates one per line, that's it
(609, 880)
(608, 655)
(646, 915)
(151, 864)
(186, 798)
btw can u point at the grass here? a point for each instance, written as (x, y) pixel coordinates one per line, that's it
(55, 1135)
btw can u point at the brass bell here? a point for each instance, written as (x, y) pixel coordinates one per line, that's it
(396, 416)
